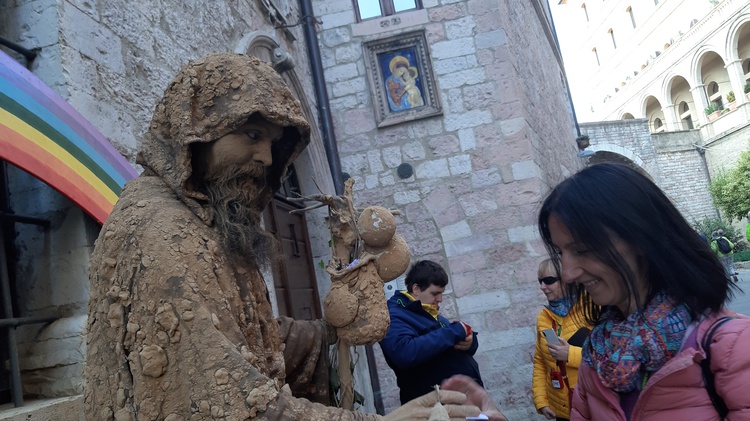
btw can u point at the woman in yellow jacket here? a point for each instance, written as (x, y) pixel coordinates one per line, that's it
(552, 385)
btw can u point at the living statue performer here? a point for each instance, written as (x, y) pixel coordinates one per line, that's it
(180, 325)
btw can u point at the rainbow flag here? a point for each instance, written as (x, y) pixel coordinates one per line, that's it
(44, 135)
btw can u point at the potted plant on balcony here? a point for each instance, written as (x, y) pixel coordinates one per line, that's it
(712, 111)
(747, 90)
(730, 100)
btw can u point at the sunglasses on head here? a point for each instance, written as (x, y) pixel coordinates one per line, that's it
(548, 280)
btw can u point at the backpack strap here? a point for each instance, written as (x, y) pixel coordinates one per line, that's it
(708, 375)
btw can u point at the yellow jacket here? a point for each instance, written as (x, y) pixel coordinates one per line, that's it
(544, 393)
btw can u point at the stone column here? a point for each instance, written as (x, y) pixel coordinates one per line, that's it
(670, 119)
(701, 102)
(737, 79)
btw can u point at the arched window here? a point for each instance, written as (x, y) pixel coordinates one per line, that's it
(596, 55)
(612, 34)
(658, 125)
(685, 117)
(632, 17)
(714, 96)
(585, 11)
(627, 116)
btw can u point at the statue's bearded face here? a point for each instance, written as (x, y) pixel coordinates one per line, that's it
(234, 173)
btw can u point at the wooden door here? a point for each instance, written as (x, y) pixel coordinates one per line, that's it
(294, 279)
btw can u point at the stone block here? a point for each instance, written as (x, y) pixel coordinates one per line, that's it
(348, 53)
(460, 28)
(413, 151)
(358, 121)
(467, 120)
(336, 36)
(432, 169)
(341, 72)
(449, 12)
(491, 39)
(484, 302)
(476, 202)
(462, 78)
(460, 164)
(455, 231)
(404, 197)
(92, 39)
(467, 139)
(355, 164)
(338, 19)
(468, 245)
(452, 48)
(376, 164)
(485, 178)
(444, 145)
(525, 169)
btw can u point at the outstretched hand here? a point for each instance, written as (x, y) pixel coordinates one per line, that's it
(418, 409)
(475, 395)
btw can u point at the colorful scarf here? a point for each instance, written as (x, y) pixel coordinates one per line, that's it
(561, 307)
(625, 352)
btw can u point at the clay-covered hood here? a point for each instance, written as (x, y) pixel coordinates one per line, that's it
(209, 98)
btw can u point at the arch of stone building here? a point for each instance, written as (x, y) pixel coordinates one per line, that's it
(658, 114)
(697, 60)
(626, 116)
(668, 87)
(733, 36)
(624, 152)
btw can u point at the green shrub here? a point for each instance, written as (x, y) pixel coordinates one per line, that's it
(711, 108)
(742, 256)
(730, 96)
(747, 87)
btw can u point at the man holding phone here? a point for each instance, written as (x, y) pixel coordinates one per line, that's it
(422, 347)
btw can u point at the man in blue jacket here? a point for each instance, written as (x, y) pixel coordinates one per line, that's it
(422, 347)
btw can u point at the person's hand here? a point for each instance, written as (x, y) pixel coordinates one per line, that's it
(559, 352)
(419, 408)
(548, 413)
(465, 344)
(475, 395)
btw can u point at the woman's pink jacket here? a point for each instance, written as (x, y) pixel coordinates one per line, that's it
(676, 392)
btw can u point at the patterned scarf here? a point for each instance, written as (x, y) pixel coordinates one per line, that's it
(561, 307)
(625, 352)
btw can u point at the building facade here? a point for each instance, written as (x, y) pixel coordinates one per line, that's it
(454, 112)
(680, 67)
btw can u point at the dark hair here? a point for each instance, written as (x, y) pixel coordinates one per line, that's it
(606, 200)
(425, 273)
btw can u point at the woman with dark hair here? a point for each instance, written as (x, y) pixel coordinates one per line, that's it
(619, 243)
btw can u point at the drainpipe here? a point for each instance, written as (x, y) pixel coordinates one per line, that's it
(321, 94)
(332, 153)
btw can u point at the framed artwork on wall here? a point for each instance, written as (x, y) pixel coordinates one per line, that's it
(401, 79)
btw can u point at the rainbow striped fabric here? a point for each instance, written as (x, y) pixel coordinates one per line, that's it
(44, 135)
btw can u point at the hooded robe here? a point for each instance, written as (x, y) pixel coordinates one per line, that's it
(177, 329)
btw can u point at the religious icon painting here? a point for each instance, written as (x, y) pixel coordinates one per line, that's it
(401, 80)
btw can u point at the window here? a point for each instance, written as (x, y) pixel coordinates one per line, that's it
(585, 11)
(596, 55)
(612, 34)
(658, 125)
(632, 17)
(714, 96)
(367, 9)
(685, 117)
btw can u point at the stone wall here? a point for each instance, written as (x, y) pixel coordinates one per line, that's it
(480, 169)
(112, 61)
(671, 159)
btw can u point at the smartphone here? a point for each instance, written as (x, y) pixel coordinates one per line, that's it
(480, 417)
(551, 336)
